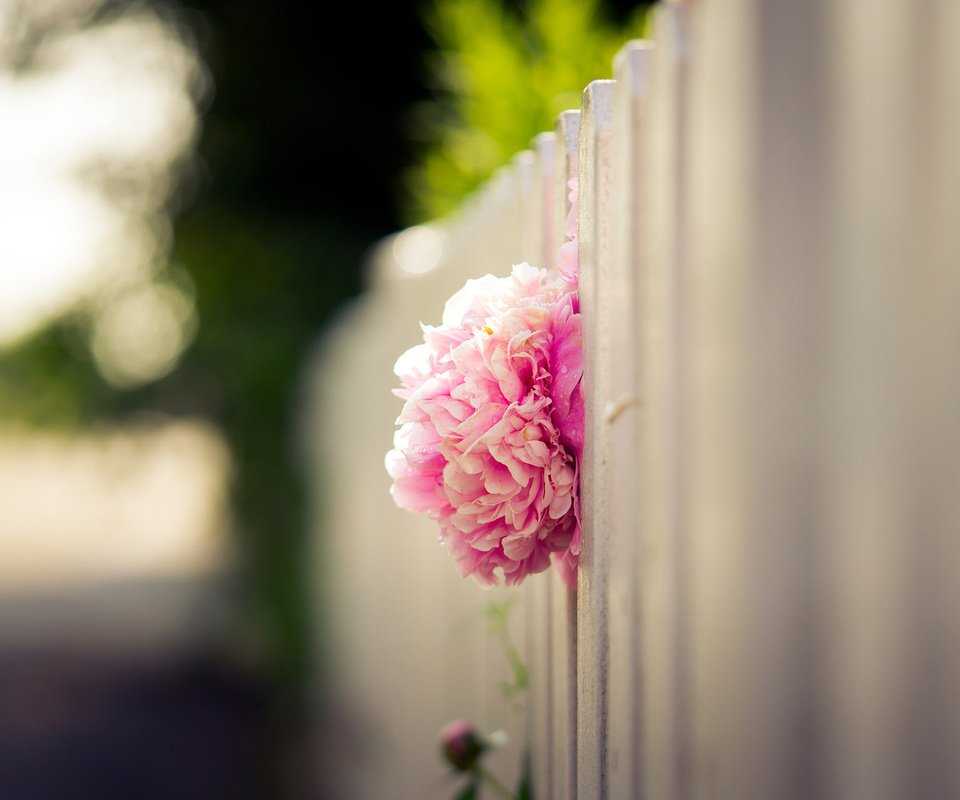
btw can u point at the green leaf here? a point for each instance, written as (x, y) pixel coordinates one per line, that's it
(519, 669)
(525, 787)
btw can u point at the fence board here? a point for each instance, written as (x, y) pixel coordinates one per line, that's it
(939, 250)
(545, 149)
(539, 616)
(724, 719)
(893, 520)
(621, 415)
(662, 506)
(595, 238)
(869, 565)
(562, 600)
(751, 501)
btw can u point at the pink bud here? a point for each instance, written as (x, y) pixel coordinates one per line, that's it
(461, 745)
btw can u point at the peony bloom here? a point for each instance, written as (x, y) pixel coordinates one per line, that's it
(491, 434)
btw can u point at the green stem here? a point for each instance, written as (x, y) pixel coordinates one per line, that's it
(494, 783)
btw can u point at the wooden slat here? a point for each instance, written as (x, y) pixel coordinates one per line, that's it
(866, 568)
(538, 611)
(525, 167)
(563, 600)
(754, 381)
(723, 713)
(540, 692)
(567, 144)
(595, 229)
(939, 582)
(545, 149)
(621, 415)
(893, 507)
(660, 490)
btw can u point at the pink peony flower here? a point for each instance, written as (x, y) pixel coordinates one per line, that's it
(491, 434)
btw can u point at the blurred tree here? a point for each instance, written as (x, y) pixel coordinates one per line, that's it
(293, 184)
(304, 150)
(500, 76)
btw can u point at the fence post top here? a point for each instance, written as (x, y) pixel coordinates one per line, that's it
(632, 65)
(598, 102)
(568, 130)
(544, 142)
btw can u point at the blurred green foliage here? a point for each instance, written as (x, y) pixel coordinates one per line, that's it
(500, 76)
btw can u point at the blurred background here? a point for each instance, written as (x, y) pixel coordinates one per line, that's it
(187, 194)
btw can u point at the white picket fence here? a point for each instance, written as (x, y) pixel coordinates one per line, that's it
(768, 601)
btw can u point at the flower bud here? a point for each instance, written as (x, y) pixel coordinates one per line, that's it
(461, 745)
